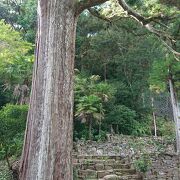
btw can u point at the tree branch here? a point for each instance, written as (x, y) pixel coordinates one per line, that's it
(138, 17)
(95, 13)
(146, 23)
(86, 4)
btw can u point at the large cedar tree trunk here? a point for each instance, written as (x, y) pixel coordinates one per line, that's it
(48, 139)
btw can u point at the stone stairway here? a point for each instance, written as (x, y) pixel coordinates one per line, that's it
(103, 168)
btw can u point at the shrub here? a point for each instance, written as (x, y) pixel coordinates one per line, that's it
(124, 117)
(12, 123)
(142, 128)
(102, 136)
(165, 127)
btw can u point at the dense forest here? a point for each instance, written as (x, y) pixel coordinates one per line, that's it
(123, 65)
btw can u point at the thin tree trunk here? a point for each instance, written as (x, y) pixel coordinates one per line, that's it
(99, 129)
(7, 159)
(117, 129)
(90, 129)
(48, 139)
(105, 72)
(154, 117)
(176, 114)
(112, 130)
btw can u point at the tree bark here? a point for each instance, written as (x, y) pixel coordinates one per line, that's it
(99, 129)
(154, 117)
(105, 72)
(48, 139)
(90, 128)
(176, 114)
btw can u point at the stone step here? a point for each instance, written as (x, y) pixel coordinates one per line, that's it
(101, 166)
(101, 174)
(104, 168)
(93, 174)
(125, 171)
(110, 177)
(100, 161)
(102, 157)
(118, 165)
(88, 173)
(131, 177)
(116, 177)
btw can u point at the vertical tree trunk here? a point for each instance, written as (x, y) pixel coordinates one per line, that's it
(112, 130)
(154, 117)
(7, 159)
(90, 128)
(176, 114)
(105, 72)
(48, 139)
(99, 129)
(117, 129)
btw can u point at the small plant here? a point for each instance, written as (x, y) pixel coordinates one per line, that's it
(143, 163)
(159, 146)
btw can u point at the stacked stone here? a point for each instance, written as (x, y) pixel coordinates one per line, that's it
(104, 168)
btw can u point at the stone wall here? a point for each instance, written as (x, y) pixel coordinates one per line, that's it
(161, 152)
(164, 166)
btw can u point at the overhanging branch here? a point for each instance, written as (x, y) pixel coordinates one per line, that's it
(146, 22)
(86, 4)
(95, 13)
(138, 17)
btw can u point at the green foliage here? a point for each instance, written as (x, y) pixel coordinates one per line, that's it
(102, 136)
(28, 20)
(8, 11)
(143, 163)
(89, 106)
(92, 85)
(80, 131)
(15, 63)
(4, 97)
(12, 45)
(161, 69)
(159, 75)
(125, 54)
(90, 95)
(22, 16)
(165, 127)
(121, 53)
(124, 117)
(142, 128)
(12, 122)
